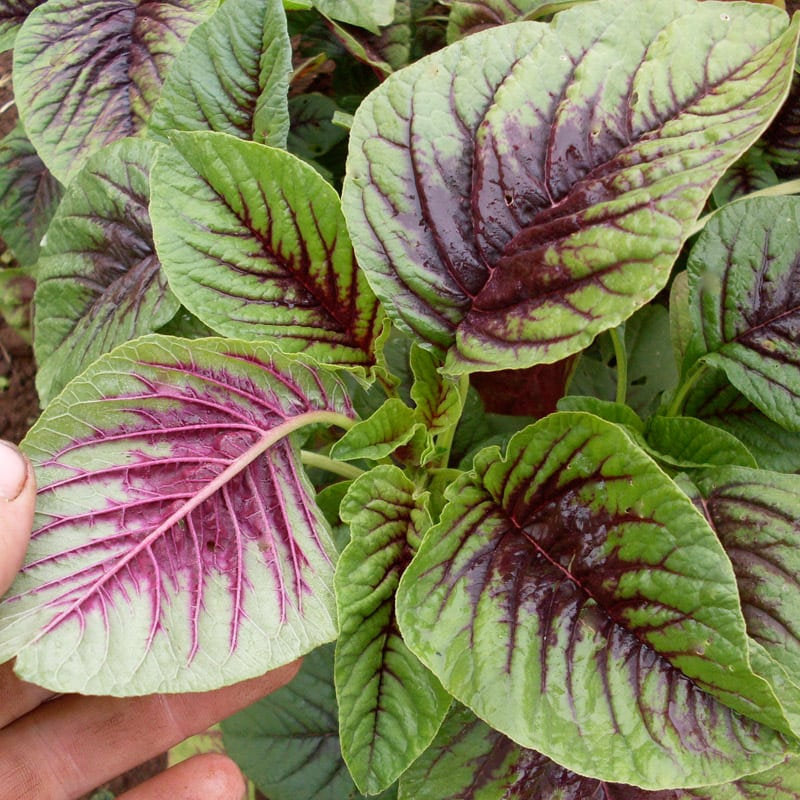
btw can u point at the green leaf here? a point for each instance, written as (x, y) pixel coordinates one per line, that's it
(469, 16)
(744, 287)
(29, 196)
(371, 15)
(470, 761)
(714, 400)
(99, 281)
(391, 426)
(518, 192)
(605, 409)
(176, 546)
(88, 72)
(254, 243)
(12, 15)
(232, 76)
(651, 370)
(288, 743)
(437, 398)
(390, 705)
(688, 442)
(756, 515)
(576, 601)
(313, 133)
(751, 173)
(680, 318)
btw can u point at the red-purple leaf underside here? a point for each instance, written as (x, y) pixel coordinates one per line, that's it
(521, 190)
(177, 544)
(88, 73)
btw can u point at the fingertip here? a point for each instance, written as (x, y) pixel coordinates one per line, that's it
(211, 776)
(15, 472)
(17, 500)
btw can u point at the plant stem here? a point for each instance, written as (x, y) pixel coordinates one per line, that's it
(329, 464)
(779, 190)
(622, 364)
(676, 406)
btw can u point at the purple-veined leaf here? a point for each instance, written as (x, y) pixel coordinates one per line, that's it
(176, 545)
(470, 761)
(520, 191)
(471, 16)
(99, 281)
(751, 173)
(438, 399)
(744, 284)
(232, 76)
(574, 599)
(29, 195)
(88, 72)
(715, 401)
(390, 705)
(254, 243)
(12, 14)
(756, 515)
(782, 139)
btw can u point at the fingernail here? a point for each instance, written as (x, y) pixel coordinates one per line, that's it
(13, 471)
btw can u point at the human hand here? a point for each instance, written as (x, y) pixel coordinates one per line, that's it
(59, 748)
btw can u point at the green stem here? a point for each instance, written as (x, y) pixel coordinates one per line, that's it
(779, 190)
(696, 373)
(445, 440)
(622, 364)
(330, 464)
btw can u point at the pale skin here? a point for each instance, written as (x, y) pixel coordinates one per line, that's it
(59, 748)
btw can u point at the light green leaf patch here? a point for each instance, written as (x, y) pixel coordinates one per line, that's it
(687, 442)
(393, 425)
(371, 15)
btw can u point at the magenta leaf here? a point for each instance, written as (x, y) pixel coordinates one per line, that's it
(177, 545)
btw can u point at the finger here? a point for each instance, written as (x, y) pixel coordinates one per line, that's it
(17, 697)
(72, 744)
(212, 776)
(17, 496)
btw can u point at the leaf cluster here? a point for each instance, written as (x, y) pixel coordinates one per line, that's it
(465, 335)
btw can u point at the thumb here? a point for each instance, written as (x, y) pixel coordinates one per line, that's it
(17, 497)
